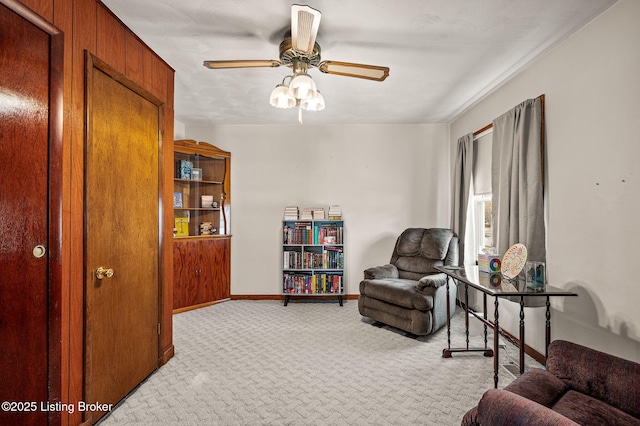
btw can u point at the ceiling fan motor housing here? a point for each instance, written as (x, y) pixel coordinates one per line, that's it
(289, 55)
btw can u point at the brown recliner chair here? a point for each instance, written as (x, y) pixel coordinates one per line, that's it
(408, 293)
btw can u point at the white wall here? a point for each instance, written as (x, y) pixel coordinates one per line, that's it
(179, 130)
(385, 177)
(592, 87)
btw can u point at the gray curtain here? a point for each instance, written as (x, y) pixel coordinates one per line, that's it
(517, 180)
(462, 175)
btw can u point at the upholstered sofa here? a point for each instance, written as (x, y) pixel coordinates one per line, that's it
(580, 386)
(408, 293)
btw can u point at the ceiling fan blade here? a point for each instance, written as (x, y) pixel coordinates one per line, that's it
(304, 27)
(268, 63)
(348, 69)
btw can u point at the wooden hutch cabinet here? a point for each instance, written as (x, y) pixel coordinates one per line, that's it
(202, 238)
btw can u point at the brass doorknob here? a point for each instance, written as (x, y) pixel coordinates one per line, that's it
(102, 272)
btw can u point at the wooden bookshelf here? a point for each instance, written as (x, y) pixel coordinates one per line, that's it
(202, 232)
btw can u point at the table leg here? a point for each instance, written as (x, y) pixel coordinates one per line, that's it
(446, 353)
(547, 339)
(521, 335)
(466, 317)
(484, 310)
(496, 345)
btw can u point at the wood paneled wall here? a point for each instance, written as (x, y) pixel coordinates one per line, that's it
(88, 25)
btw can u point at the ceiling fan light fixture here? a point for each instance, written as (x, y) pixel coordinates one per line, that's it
(302, 87)
(280, 97)
(314, 104)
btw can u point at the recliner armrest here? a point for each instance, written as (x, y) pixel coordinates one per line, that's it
(380, 272)
(433, 281)
(500, 407)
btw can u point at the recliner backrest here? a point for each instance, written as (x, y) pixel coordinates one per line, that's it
(419, 250)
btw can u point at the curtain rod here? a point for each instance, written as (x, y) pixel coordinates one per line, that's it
(490, 125)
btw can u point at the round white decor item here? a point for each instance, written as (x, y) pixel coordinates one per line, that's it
(513, 260)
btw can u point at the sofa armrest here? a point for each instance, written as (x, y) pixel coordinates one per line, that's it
(380, 272)
(600, 375)
(433, 281)
(501, 407)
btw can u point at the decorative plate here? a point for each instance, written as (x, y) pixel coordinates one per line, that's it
(513, 260)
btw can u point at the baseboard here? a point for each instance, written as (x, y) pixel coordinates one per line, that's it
(291, 297)
(201, 305)
(256, 297)
(540, 358)
(166, 356)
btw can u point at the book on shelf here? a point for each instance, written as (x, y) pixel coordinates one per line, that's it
(300, 233)
(185, 169)
(333, 257)
(298, 283)
(328, 233)
(292, 259)
(177, 199)
(181, 224)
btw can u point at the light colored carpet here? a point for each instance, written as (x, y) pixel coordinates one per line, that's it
(260, 363)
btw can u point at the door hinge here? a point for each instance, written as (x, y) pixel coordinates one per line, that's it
(158, 329)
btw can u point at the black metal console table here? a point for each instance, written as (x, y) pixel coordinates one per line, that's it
(493, 284)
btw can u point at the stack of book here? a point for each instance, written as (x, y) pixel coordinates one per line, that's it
(318, 213)
(335, 212)
(291, 213)
(307, 213)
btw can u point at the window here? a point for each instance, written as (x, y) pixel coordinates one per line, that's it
(483, 228)
(479, 232)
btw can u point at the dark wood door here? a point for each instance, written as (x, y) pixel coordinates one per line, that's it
(25, 136)
(122, 236)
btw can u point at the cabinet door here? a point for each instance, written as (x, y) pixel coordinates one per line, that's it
(185, 281)
(201, 272)
(215, 276)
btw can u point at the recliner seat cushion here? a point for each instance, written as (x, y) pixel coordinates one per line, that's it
(540, 386)
(586, 410)
(399, 292)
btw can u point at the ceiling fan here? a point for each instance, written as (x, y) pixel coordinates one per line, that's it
(299, 51)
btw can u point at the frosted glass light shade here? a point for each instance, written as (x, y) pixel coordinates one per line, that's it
(302, 87)
(280, 97)
(314, 104)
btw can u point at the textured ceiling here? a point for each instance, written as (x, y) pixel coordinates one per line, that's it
(443, 55)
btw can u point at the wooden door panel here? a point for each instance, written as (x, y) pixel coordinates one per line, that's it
(122, 234)
(24, 144)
